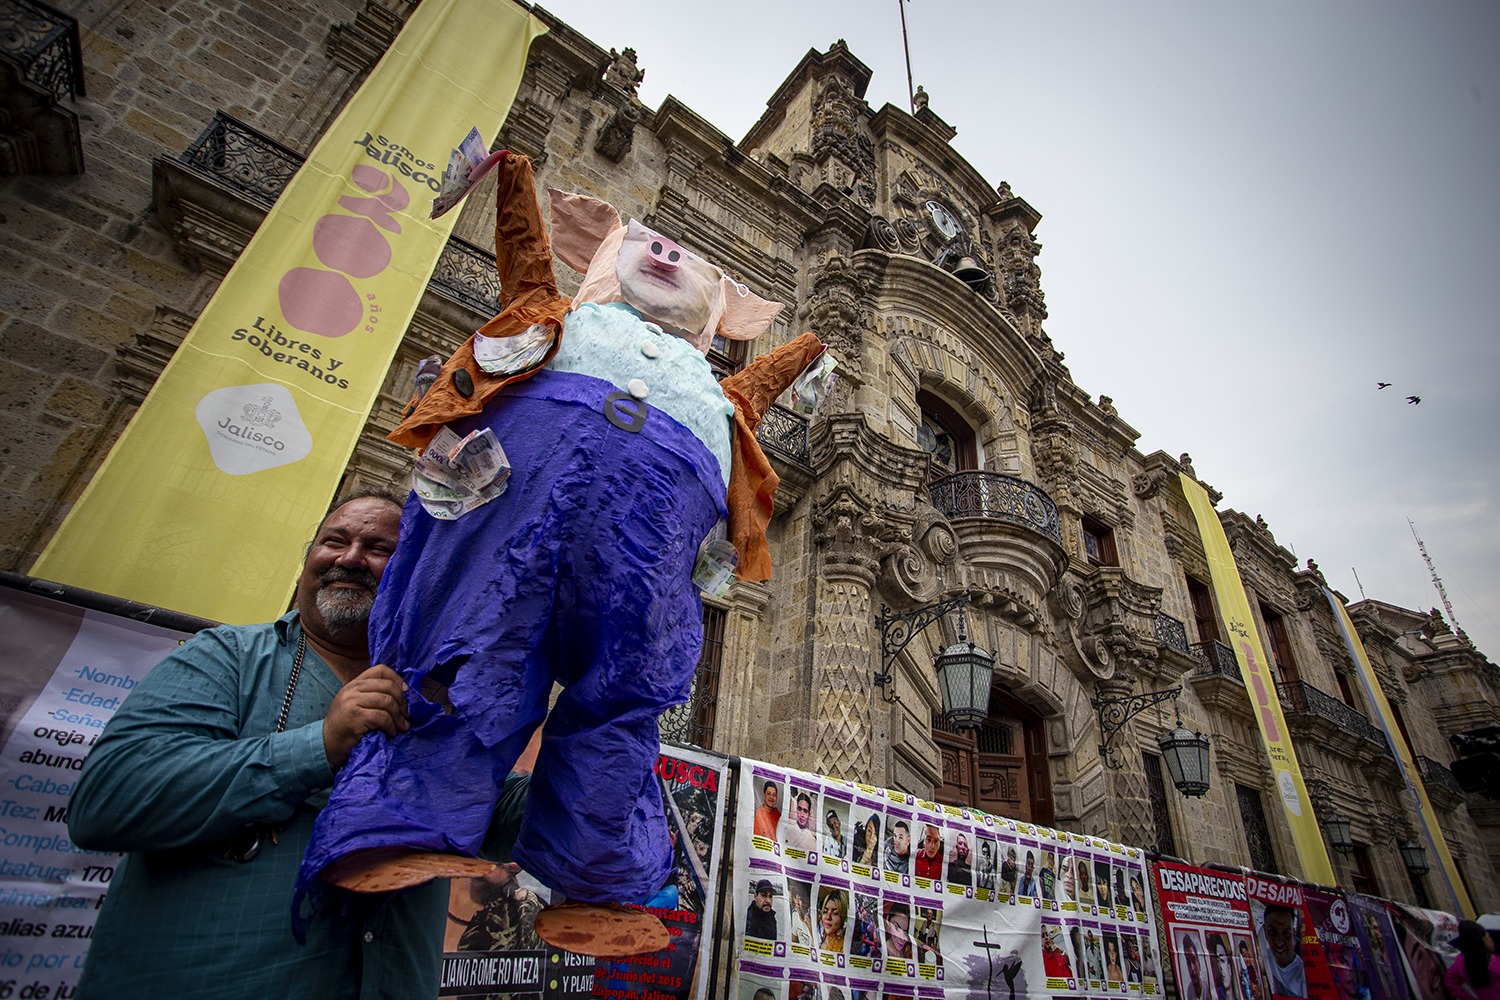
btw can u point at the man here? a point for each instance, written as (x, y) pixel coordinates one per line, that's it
(506, 918)
(1027, 886)
(898, 848)
(803, 837)
(930, 857)
(1221, 967)
(1193, 988)
(760, 919)
(987, 866)
(834, 843)
(1287, 976)
(214, 799)
(959, 869)
(766, 814)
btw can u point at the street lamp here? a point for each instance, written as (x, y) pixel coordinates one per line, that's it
(964, 670)
(1186, 756)
(1414, 856)
(1338, 834)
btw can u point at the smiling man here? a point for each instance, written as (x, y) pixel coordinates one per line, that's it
(210, 776)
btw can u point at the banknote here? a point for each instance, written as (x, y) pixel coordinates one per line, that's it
(509, 355)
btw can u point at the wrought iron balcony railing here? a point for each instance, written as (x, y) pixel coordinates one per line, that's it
(785, 433)
(1216, 660)
(44, 42)
(250, 162)
(259, 167)
(1304, 699)
(1172, 633)
(991, 494)
(1434, 773)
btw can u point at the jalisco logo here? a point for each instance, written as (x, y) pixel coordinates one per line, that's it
(262, 415)
(239, 424)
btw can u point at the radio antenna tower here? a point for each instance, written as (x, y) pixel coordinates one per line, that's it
(1437, 581)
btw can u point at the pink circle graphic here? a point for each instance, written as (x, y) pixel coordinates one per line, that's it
(351, 244)
(320, 302)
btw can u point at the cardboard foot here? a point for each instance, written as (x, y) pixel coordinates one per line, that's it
(384, 869)
(606, 930)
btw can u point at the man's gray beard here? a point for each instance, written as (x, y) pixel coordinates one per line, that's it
(346, 613)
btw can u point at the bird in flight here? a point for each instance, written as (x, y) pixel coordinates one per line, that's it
(1413, 400)
(1382, 385)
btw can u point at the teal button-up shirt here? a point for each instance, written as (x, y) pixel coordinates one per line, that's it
(189, 760)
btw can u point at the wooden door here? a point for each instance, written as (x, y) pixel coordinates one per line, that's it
(1004, 788)
(960, 765)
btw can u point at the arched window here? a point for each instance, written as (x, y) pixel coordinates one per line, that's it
(946, 436)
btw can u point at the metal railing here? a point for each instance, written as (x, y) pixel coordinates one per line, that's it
(248, 161)
(785, 433)
(991, 494)
(44, 42)
(1172, 633)
(1303, 698)
(1216, 660)
(467, 274)
(1434, 773)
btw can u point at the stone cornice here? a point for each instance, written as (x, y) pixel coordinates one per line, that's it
(890, 122)
(836, 59)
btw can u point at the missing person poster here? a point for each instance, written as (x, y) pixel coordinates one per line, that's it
(1292, 961)
(1205, 919)
(491, 948)
(1380, 946)
(843, 891)
(66, 672)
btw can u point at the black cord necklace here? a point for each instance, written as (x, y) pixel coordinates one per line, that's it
(246, 844)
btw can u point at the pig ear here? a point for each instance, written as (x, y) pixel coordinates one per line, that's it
(579, 224)
(746, 315)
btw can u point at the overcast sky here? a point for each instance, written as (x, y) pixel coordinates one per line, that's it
(1252, 213)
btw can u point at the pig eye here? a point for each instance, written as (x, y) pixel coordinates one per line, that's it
(656, 247)
(674, 256)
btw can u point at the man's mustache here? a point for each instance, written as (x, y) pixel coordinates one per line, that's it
(344, 574)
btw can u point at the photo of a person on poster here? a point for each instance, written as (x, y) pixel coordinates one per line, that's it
(801, 831)
(1137, 894)
(801, 989)
(867, 842)
(898, 848)
(835, 844)
(1055, 959)
(833, 917)
(1075, 934)
(1246, 968)
(506, 916)
(898, 930)
(1192, 982)
(1132, 957)
(1148, 959)
(960, 866)
(1009, 869)
(1027, 885)
(1114, 969)
(1349, 979)
(1068, 881)
(1120, 898)
(1101, 884)
(760, 915)
(930, 855)
(1048, 875)
(1085, 881)
(928, 933)
(1094, 954)
(1220, 966)
(767, 814)
(865, 939)
(800, 894)
(985, 876)
(756, 987)
(1281, 945)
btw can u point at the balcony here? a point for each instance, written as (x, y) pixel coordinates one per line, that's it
(41, 65)
(998, 497)
(1216, 660)
(258, 168)
(1299, 698)
(1172, 634)
(784, 433)
(1435, 775)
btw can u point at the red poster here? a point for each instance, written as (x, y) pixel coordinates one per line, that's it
(1206, 922)
(1292, 960)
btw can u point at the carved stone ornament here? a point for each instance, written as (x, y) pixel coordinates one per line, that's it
(836, 312)
(919, 99)
(617, 134)
(1148, 484)
(1020, 277)
(852, 533)
(622, 72)
(836, 132)
(1068, 598)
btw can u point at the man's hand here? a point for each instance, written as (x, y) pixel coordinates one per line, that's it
(376, 699)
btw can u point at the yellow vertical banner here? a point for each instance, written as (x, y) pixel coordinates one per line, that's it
(1431, 831)
(205, 502)
(1261, 685)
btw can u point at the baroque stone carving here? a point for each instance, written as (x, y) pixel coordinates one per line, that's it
(621, 71)
(1020, 277)
(836, 312)
(836, 132)
(617, 134)
(1148, 483)
(919, 99)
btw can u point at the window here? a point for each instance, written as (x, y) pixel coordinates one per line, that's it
(1345, 691)
(1362, 872)
(945, 435)
(1257, 833)
(1203, 611)
(1281, 646)
(1099, 544)
(694, 722)
(1401, 727)
(1165, 842)
(726, 356)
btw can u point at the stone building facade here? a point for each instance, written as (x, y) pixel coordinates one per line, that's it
(957, 455)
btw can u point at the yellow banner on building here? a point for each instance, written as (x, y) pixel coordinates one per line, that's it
(206, 501)
(1307, 835)
(1431, 831)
